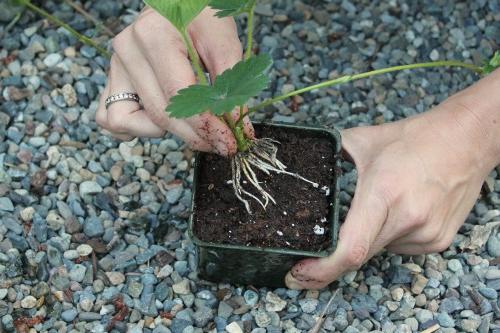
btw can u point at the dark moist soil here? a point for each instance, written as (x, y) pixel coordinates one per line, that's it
(221, 218)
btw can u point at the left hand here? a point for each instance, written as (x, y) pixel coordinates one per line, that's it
(417, 181)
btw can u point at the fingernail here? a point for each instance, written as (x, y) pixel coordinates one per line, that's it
(293, 283)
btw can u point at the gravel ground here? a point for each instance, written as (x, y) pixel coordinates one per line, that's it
(64, 186)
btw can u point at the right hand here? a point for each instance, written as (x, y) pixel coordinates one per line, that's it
(151, 60)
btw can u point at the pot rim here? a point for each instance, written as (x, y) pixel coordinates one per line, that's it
(333, 213)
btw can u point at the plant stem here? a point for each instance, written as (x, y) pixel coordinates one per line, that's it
(241, 141)
(248, 51)
(82, 38)
(348, 78)
(194, 58)
(98, 24)
(13, 22)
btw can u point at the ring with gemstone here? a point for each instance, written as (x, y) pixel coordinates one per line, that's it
(126, 96)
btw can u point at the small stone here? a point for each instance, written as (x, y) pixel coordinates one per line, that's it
(116, 278)
(71, 254)
(93, 227)
(6, 204)
(262, 318)
(274, 302)
(489, 293)
(54, 221)
(419, 283)
(165, 271)
(469, 325)
(52, 59)
(308, 305)
(424, 316)
(234, 328)
(445, 320)
(182, 288)
(69, 315)
(492, 274)
(174, 194)
(130, 189)
(27, 214)
(251, 297)
(400, 275)
(202, 316)
(28, 302)
(84, 250)
(77, 273)
(450, 305)
(397, 294)
(224, 310)
(434, 55)
(69, 94)
(455, 265)
(493, 244)
(89, 187)
(86, 304)
(135, 288)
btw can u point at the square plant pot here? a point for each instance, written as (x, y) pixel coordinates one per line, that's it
(262, 266)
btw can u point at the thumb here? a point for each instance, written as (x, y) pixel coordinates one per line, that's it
(363, 223)
(366, 215)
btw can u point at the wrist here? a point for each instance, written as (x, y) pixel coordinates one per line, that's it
(477, 112)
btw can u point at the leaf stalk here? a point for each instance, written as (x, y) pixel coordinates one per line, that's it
(250, 19)
(82, 38)
(195, 60)
(349, 78)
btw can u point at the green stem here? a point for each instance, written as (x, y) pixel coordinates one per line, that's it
(194, 58)
(248, 52)
(82, 38)
(13, 22)
(241, 141)
(239, 123)
(98, 24)
(348, 78)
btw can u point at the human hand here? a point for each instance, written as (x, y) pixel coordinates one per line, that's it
(417, 181)
(151, 59)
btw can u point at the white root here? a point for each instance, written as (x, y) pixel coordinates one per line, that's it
(261, 155)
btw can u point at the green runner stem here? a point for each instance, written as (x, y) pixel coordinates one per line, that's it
(82, 38)
(349, 78)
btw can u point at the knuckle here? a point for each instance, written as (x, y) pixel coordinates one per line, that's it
(416, 216)
(121, 40)
(141, 28)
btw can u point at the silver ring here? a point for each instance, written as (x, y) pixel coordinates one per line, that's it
(126, 96)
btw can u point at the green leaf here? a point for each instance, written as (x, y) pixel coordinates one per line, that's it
(232, 88)
(179, 12)
(231, 7)
(493, 64)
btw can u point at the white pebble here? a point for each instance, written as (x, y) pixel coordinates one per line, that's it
(28, 302)
(84, 250)
(318, 230)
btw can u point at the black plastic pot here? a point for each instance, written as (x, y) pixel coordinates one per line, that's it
(261, 266)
